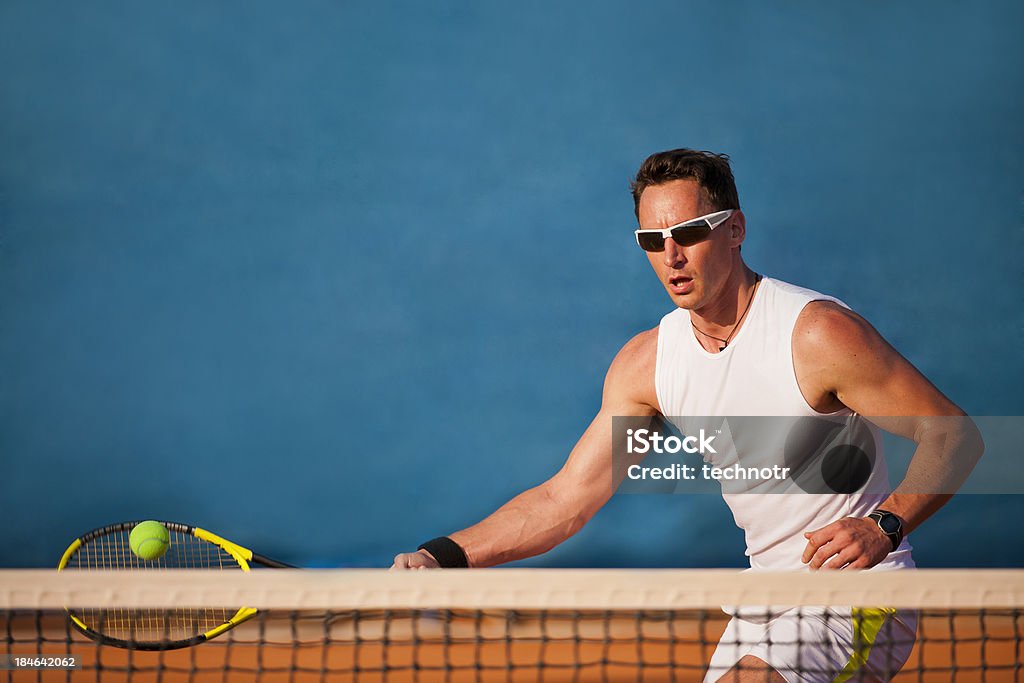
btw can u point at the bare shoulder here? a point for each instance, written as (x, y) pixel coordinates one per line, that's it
(630, 378)
(825, 329)
(839, 356)
(831, 345)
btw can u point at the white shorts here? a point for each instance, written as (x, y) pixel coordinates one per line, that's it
(819, 645)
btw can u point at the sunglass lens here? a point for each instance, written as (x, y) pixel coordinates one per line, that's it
(690, 234)
(651, 241)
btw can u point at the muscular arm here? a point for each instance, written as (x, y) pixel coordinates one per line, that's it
(842, 361)
(542, 517)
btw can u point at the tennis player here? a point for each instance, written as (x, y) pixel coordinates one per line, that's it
(740, 343)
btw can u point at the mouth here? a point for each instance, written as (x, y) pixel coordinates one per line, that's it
(680, 284)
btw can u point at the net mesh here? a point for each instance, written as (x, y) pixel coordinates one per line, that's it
(523, 625)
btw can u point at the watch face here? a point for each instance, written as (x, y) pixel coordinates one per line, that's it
(890, 524)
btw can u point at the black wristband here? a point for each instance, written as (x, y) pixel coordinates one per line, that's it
(447, 552)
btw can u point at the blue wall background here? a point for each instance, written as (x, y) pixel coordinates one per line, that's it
(335, 279)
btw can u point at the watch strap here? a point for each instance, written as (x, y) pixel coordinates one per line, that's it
(895, 537)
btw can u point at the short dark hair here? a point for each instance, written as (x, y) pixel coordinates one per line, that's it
(711, 171)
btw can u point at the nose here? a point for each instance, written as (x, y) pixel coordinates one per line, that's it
(673, 256)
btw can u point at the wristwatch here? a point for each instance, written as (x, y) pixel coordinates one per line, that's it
(890, 524)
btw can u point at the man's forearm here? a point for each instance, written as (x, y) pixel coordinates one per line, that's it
(914, 508)
(947, 450)
(532, 523)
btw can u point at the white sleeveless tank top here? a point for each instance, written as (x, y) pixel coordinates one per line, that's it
(754, 376)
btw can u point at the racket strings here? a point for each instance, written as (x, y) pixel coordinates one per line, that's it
(185, 551)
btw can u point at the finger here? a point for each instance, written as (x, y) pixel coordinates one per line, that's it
(834, 564)
(862, 562)
(840, 560)
(403, 561)
(808, 553)
(816, 539)
(809, 549)
(823, 554)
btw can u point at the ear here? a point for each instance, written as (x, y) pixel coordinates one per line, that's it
(737, 228)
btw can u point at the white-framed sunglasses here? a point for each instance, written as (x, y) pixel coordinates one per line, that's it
(685, 234)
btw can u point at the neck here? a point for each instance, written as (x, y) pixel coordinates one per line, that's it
(720, 316)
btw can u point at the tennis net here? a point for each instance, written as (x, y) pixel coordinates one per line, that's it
(509, 624)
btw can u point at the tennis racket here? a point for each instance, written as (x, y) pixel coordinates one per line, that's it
(159, 629)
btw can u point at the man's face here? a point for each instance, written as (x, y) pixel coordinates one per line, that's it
(695, 275)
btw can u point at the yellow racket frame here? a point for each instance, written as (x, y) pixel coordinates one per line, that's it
(240, 554)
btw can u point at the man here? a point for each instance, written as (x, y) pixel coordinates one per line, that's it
(742, 344)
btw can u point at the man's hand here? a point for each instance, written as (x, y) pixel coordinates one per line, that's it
(850, 543)
(420, 559)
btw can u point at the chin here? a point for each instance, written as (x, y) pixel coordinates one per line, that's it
(689, 301)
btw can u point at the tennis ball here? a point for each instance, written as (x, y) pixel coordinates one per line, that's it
(149, 540)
